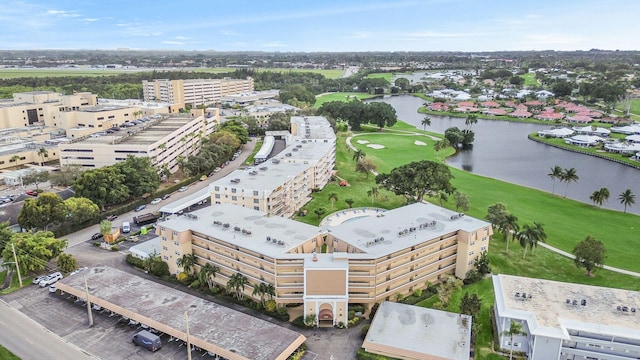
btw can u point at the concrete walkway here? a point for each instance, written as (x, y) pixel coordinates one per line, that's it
(571, 256)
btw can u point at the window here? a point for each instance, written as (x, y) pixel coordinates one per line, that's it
(470, 253)
(255, 193)
(256, 201)
(175, 233)
(233, 190)
(484, 238)
(176, 243)
(164, 238)
(217, 196)
(178, 253)
(234, 198)
(472, 243)
(256, 208)
(483, 248)
(165, 248)
(165, 257)
(217, 188)
(470, 262)
(161, 228)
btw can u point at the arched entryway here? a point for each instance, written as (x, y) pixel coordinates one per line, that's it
(325, 315)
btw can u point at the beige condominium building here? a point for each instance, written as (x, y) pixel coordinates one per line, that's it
(39, 107)
(194, 92)
(283, 184)
(363, 261)
(566, 321)
(163, 139)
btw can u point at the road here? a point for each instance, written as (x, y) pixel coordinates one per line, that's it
(20, 334)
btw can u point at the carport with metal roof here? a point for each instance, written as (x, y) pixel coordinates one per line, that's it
(185, 202)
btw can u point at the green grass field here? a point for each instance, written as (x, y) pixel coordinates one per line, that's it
(386, 76)
(530, 79)
(18, 73)
(6, 354)
(339, 96)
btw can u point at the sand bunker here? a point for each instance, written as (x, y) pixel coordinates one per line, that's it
(419, 143)
(363, 141)
(376, 146)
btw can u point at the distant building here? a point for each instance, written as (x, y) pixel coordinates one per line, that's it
(194, 92)
(566, 321)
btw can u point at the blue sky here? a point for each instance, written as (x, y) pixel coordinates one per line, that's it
(325, 25)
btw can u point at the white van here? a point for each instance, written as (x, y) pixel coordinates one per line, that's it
(126, 227)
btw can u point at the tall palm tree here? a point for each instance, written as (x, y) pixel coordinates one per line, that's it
(515, 329)
(569, 175)
(530, 235)
(442, 144)
(333, 197)
(259, 290)
(187, 262)
(627, 198)
(238, 282)
(471, 120)
(556, 173)
(359, 155)
(207, 273)
(509, 226)
(270, 290)
(600, 196)
(426, 122)
(43, 153)
(373, 193)
(540, 235)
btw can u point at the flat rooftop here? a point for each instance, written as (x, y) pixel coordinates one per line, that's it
(244, 335)
(101, 108)
(548, 312)
(428, 220)
(412, 331)
(264, 178)
(313, 127)
(290, 232)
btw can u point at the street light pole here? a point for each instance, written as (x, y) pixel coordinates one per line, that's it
(15, 258)
(186, 315)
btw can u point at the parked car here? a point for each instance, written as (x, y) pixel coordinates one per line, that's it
(126, 227)
(96, 236)
(140, 208)
(37, 279)
(217, 169)
(31, 193)
(51, 279)
(183, 188)
(166, 196)
(52, 288)
(203, 177)
(155, 201)
(111, 217)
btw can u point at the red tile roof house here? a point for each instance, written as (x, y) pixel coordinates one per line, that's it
(490, 104)
(533, 103)
(495, 112)
(580, 119)
(465, 109)
(469, 104)
(438, 106)
(520, 114)
(612, 120)
(549, 114)
(510, 104)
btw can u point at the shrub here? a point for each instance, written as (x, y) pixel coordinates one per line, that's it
(340, 325)
(183, 277)
(364, 330)
(215, 290)
(417, 293)
(299, 322)
(114, 248)
(159, 268)
(282, 311)
(195, 284)
(351, 314)
(271, 306)
(134, 261)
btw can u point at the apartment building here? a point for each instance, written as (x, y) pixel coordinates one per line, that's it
(365, 261)
(37, 108)
(567, 321)
(282, 185)
(194, 92)
(163, 139)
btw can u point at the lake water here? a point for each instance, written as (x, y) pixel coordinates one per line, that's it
(502, 151)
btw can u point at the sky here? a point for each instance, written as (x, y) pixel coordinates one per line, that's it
(325, 25)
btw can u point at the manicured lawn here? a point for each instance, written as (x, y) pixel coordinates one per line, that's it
(339, 96)
(6, 354)
(15, 283)
(530, 79)
(18, 73)
(386, 76)
(590, 150)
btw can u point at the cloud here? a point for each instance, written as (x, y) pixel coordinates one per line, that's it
(274, 44)
(90, 19)
(181, 38)
(172, 42)
(228, 33)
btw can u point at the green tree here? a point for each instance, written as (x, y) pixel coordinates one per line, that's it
(140, 177)
(462, 201)
(380, 114)
(569, 175)
(349, 202)
(237, 128)
(319, 212)
(441, 145)
(333, 197)
(36, 178)
(454, 136)
(589, 254)
(66, 263)
(373, 192)
(471, 120)
(66, 176)
(402, 83)
(600, 196)
(470, 304)
(482, 263)
(425, 122)
(515, 329)
(627, 198)
(509, 226)
(43, 154)
(416, 179)
(40, 213)
(207, 273)
(105, 227)
(556, 173)
(187, 262)
(103, 186)
(5, 235)
(447, 288)
(236, 283)
(358, 155)
(529, 236)
(81, 210)
(366, 166)
(224, 137)
(33, 250)
(298, 92)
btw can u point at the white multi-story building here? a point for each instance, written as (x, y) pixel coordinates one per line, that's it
(567, 321)
(194, 92)
(283, 185)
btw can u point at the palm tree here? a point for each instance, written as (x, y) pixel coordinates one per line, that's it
(568, 176)
(236, 283)
(540, 235)
(358, 155)
(627, 198)
(14, 158)
(600, 196)
(373, 193)
(43, 153)
(207, 274)
(530, 235)
(470, 120)
(333, 197)
(187, 262)
(556, 173)
(270, 290)
(442, 144)
(509, 226)
(426, 122)
(515, 329)
(259, 290)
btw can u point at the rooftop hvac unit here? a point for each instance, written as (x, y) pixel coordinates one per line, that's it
(263, 168)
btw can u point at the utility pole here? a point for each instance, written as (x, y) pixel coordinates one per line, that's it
(86, 292)
(186, 315)
(15, 258)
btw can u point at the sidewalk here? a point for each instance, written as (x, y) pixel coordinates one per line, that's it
(571, 256)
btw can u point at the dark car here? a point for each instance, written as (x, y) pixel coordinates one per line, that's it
(166, 196)
(96, 236)
(140, 208)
